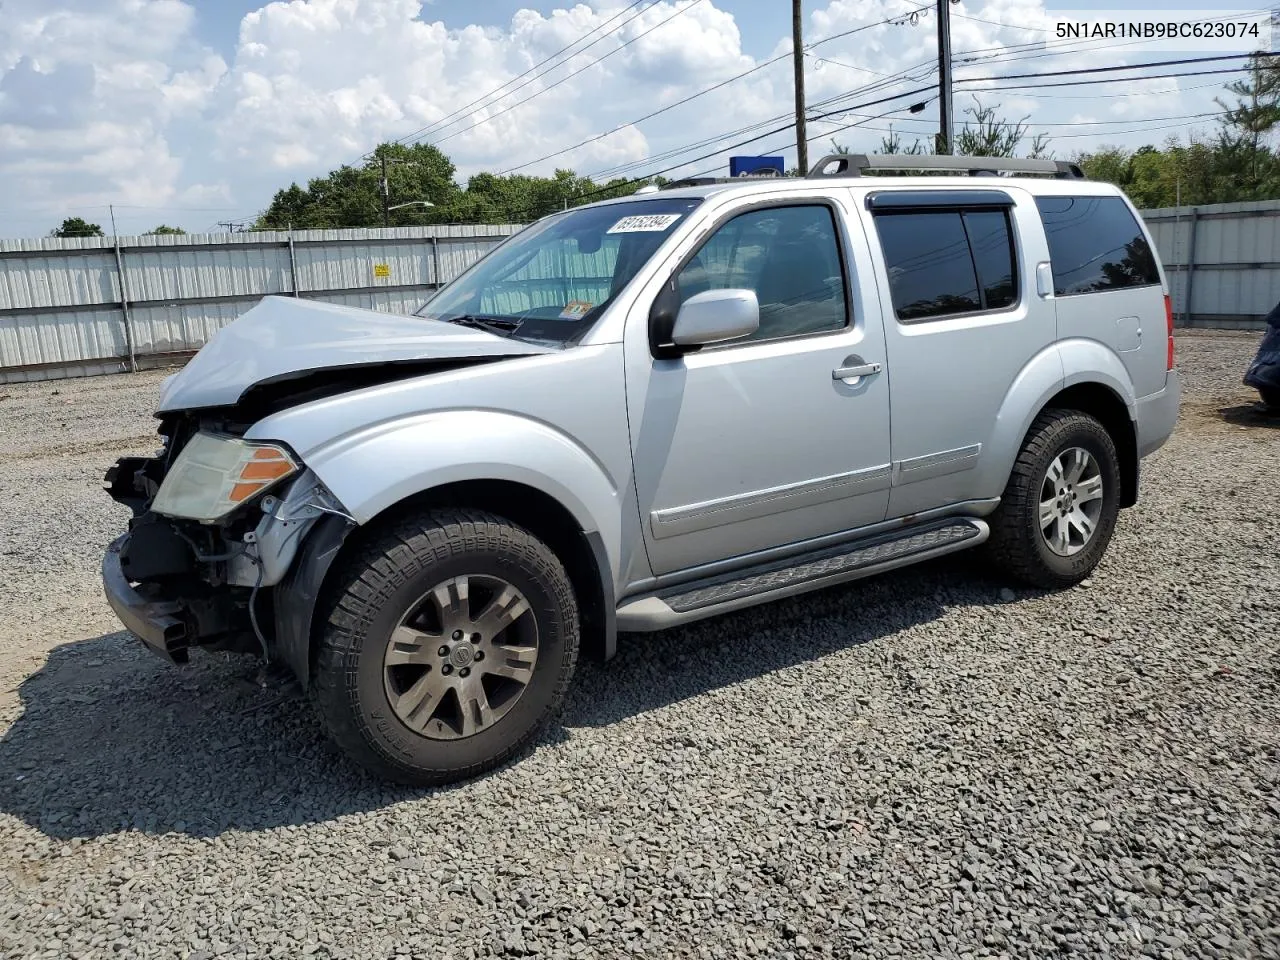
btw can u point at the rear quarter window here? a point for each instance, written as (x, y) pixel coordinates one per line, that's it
(1095, 244)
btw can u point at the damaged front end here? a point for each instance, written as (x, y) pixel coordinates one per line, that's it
(212, 548)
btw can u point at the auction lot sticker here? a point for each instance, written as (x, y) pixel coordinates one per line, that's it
(653, 223)
(1165, 31)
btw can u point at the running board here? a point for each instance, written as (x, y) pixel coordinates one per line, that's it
(851, 561)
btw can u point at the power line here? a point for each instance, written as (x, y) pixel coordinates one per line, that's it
(448, 119)
(570, 76)
(743, 143)
(1091, 70)
(1082, 83)
(649, 160)
(694, 96)
(845, 110)
(647, 116)
(889, 79)
(1088, 123)
(909, 93)
(1134, 66)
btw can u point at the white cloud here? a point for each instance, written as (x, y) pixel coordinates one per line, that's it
(117, 101)
(86, 91)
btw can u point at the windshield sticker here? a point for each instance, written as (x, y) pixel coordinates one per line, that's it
(575, 310)
(653, 223)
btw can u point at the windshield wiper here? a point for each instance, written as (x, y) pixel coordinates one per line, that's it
(490, 324)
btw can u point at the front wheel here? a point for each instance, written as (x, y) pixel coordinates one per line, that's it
(450, 645)
(1059, 509)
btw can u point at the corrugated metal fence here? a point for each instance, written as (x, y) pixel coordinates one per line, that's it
(1222, 261)
(101, 305)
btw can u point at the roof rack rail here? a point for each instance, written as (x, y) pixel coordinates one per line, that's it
(696, 182)
(857, 164)
(708, 181)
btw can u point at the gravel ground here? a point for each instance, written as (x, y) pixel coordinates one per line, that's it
(922, 765)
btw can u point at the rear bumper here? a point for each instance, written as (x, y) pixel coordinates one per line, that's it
(160, 625)
(1158, 415)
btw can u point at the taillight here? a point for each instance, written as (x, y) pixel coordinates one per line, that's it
(1168, 319)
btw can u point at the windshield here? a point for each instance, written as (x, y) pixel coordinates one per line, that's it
(552, 280)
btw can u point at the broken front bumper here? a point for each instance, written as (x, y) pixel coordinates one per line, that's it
(158, 624)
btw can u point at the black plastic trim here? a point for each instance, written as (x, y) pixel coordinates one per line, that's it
(157, 625)
(608, 596)
(296, 595)
(934, 199)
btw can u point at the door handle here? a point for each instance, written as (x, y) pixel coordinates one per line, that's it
(855, 372)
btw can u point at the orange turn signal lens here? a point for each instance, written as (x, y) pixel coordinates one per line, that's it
(267, 465)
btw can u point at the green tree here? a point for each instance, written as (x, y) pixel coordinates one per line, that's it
(77, 227)
(990, 135)
(353, 196)
(985, 134)
(1248, 124)
(165, 230)
(1109, 165)
(893, 144)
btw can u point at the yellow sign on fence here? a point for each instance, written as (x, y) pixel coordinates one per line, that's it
(382, 269)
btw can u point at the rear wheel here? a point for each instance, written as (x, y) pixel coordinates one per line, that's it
(450, 645)
(1059, 509)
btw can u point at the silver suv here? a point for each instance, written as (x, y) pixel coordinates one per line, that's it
(640, 413)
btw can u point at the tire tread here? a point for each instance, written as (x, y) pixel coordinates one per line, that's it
(372, 574)
(1011, 545)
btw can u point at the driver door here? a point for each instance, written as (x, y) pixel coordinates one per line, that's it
(757, 443)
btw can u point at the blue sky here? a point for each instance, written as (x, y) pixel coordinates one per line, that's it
(192, 112)
(761, 22)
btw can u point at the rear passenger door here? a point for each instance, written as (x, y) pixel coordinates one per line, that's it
(962, 319)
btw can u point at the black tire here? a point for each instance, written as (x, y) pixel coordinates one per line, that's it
(1017, 543)
(386, 579)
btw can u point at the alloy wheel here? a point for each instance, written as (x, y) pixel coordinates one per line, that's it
(1071, 499)
(461, 657)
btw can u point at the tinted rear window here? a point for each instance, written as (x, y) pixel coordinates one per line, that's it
(1095, 244)
(943, 263)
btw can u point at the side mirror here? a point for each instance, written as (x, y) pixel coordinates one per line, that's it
(714, 316)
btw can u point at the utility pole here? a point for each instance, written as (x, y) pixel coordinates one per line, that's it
(386, 194)
(945, 144)
(797, 53)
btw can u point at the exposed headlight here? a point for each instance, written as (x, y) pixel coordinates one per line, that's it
(214, 474)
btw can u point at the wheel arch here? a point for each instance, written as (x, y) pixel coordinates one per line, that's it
(1106, 406)
(1073, 374)
(300, 597)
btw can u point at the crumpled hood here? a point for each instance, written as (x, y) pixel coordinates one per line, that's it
(282, 336)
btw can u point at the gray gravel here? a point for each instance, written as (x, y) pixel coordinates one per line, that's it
(922, 765)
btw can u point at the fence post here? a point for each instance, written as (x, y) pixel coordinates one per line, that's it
(124, 306)
(1191, 264)
(293, 264)
(435, 264)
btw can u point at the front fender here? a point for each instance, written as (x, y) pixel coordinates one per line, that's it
(374, 468)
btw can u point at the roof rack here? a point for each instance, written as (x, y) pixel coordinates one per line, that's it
(858, 164)
(708, 181)
(698, 182)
